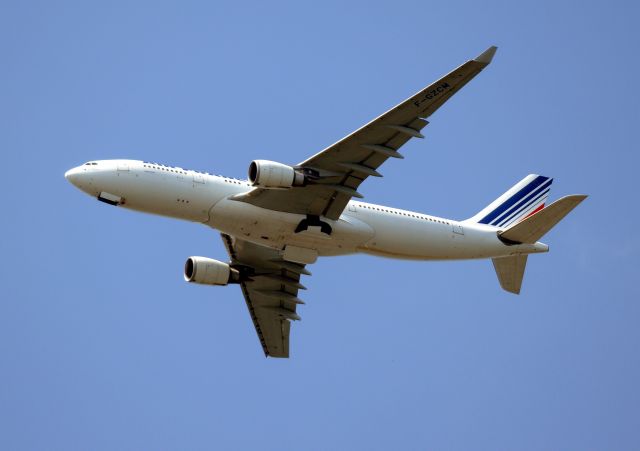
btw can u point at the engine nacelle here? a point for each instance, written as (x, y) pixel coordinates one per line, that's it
(208, 271)
(270, 174)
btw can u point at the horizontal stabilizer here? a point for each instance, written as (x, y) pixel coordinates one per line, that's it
(535, 226)
(510, 271)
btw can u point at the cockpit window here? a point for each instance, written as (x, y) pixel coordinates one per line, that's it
(91, 163)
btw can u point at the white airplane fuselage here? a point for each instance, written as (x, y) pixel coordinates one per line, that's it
(362, 227)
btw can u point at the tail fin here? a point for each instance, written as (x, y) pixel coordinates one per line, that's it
(525, 198)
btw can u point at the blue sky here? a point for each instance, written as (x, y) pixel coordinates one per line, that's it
(102, 344)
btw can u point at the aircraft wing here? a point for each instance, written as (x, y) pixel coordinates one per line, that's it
(270, 291)
(338, 170)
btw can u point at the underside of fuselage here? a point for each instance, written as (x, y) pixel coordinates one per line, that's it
(279, 229)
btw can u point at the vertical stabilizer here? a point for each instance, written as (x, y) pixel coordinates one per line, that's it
(525, 198)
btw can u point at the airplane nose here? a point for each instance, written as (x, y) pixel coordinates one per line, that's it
(73, 176)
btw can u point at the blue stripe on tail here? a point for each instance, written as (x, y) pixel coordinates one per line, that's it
(512, 203)
(538, 199)
(526, 202)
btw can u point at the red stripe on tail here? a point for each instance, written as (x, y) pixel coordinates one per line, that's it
(534, 212)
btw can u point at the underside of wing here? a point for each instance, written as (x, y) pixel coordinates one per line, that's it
(270, 287)
(334, 174)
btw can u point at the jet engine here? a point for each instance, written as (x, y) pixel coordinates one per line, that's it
(208, 271)
(270, 174)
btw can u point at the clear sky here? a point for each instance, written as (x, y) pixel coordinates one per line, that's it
(103, 346)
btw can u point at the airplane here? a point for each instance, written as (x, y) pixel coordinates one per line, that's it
(284, 217)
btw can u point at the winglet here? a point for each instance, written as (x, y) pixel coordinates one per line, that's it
(486, 56)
